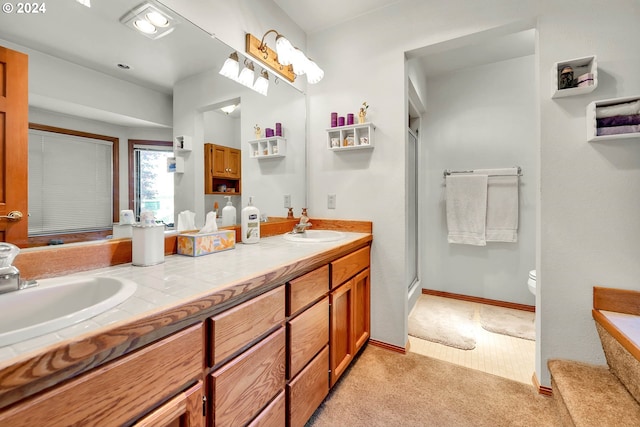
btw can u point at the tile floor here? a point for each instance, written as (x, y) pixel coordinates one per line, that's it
(501, 355)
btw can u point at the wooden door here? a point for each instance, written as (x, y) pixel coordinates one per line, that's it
(341, 334)
(14, 145)
(361, 309)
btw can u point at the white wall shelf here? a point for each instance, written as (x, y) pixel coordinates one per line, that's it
(175, 164)
(182, 143)
(351, 137)
(268, 148)
(592, 123)
(580, 66)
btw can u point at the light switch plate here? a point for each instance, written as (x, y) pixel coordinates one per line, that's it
(331, 201)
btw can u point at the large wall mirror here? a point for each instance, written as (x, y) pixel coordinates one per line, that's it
(89, 71)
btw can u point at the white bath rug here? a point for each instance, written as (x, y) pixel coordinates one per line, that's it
(508, 321)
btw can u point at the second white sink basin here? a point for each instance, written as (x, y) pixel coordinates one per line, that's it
(57, 303)
(315, 236)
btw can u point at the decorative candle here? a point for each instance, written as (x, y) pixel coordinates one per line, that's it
(334, 120)
(278, 129)
(350, 119)
(341, 121)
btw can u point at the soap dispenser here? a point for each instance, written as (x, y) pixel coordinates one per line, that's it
(250, 224)
(228, 213)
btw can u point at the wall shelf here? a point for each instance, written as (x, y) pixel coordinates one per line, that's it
(182, 143)
(351, 137)
(263, 148)
(580, 66)
(592, 124)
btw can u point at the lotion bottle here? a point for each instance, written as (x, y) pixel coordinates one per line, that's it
(250, 224)
(228, 213)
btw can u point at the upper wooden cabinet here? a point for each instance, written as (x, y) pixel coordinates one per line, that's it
(222, 167)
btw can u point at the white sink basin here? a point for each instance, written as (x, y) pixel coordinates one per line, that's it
(314, 236)
(57, 303)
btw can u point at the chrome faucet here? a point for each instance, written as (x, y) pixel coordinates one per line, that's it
(9, 274)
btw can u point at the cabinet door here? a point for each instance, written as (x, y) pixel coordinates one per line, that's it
(220, 161)
(341, 337)
(233, 163)
(361, 309)
(184, 410)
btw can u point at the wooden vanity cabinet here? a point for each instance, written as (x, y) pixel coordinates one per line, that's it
(350, 309)
(155, 380)
(222, 166)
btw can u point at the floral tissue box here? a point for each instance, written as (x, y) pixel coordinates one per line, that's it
(193, 244)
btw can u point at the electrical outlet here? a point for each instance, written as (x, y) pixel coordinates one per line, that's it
(287, 200)
(331, 201)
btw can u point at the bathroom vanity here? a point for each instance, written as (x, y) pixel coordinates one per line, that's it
(257, 336)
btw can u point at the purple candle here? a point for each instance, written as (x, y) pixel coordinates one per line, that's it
(349, 119)
(268, 132)
(278, 129)
(341, 121)
(334, 120)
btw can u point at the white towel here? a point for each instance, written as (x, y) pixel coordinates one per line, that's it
(467, 209)
(502, 204)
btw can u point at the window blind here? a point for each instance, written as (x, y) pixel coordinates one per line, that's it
(70, 183)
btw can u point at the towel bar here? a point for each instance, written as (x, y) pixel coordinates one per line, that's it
(448, 172)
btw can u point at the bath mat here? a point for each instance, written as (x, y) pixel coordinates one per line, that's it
(443, 320)
(508, 321)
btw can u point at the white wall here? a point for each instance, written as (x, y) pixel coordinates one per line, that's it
(480, 117)
(589, 203)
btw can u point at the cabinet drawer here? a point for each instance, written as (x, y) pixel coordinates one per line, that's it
(119, 391)
(274, 415)
(306, 289)
(307, 391)
(237, 327)
(245, 385)
(308, 333)
(346, 267)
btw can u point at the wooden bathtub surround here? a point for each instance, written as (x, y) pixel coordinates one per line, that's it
(245, 323)
(59, 260)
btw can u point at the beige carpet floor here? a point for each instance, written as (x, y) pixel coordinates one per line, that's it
(384, 388)
(443, 320)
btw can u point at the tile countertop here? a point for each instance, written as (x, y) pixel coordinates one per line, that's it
(179, 280)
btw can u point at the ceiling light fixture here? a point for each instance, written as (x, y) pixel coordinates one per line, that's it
(288, 61)
(151, 20)
(228, 109)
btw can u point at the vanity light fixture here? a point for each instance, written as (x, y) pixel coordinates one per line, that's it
(262, 83)
(151, 20)
(288, 61)
(247, 74)
(231, 67)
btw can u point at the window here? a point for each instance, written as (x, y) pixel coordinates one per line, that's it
(149, 182)
(72, 177)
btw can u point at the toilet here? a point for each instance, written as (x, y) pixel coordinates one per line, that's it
(531, 283)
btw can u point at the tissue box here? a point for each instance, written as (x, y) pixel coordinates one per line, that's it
(193, 244)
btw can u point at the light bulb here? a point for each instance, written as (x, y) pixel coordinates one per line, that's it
(284, 50)
(144, 26)
(231, 68)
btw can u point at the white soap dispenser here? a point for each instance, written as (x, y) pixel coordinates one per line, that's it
(250, 223)
(228, 213)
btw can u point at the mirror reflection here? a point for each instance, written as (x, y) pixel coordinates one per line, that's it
(91, 74)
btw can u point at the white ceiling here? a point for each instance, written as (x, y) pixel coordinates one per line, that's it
(314, 15)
